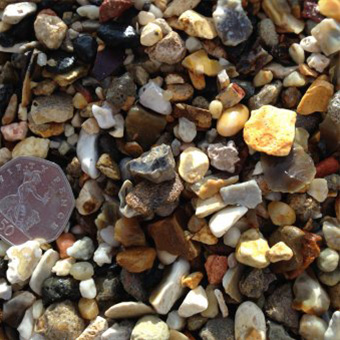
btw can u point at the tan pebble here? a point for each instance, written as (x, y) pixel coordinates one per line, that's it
(88, 308)
(180, 92)
(263, 77)
(297, 53)
(232, 120)
(193, 164)
(279, 252)
(281, 213)
(270, 130)
(151, 34)
(305, 70)
(79, 101)
(129, 233)
(145, 17)
(91, 126)
(197, 80)
(317, 97)
(205, 236)
(216, 108)
(318, 189)
(192, 280)
(82, 271)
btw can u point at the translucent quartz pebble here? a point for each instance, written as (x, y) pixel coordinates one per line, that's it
(232, 23)
(290, 173)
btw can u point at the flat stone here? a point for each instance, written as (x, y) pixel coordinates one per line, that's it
(271, 130)
(14, 13)
(247, 194)
(126, 310)
(195, 302)
(208, 206)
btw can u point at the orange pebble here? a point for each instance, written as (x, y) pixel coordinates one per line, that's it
(64, 242)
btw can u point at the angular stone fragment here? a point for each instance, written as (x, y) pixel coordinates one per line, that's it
(90, 198)
(218, 329)
(94, 330)
(223, 157)
(111, 9)
(271, 130)
(201, 117)
(247, 194)
(57, 108)
(168, 234)
(232, 23)
(333, 329)
(107, 166)
(231, 95)
(156, 165)
(195, 302)
(267, 95)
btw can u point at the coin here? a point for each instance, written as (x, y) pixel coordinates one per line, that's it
(36, 200)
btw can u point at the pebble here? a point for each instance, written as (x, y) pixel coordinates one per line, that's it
(26, 326)
(328, 260)
(297, 53)
(250, 322)
(5, 290)
(63, 267)
(152, 97)
(224, 219)
(174, 321)
(270, 92)
(193, 164)
(111, 9)
(333, 329)
(330, 9)
(50, 30)
(247, 194)
(252, 249)
(90, 198)
(165, 295)
(312, 327)
(318, 189)
(310, 296)
(185, 130)
(263, 77)
(267, 32)
(216, 108)
(310, 44)
(22, 261)
(279, 252)
(82, 249)
(85, 48)
(128, 232)
(59, 289)
(223, 157)
(119, 331)
(195, 302)
(232, 23)
(104, 116)
(170, 50)
(94, 330)
(281, 213)
(82, 271)
(88, 289)
(127, 310)
(271, 130)
(231, 237)
(14, 132)
(60, 321)
(145, 18)
(232, 120)
(89, 11)
(177, 7)
(331, 232)
(151, 328)
(327, 34)
(330, 279)
(197, 25)
(14, 13)
(318, 62)
(277, 332)
(218, 329)
(31, 146)
(151, 34)
(295, 79)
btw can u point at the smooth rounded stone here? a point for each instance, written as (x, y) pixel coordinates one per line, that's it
(279, 252)
(193, 164)
(252, 249)
(231, 237)
(295, 79)
(328, 260)
(119, 331)
(82, 271)
(218, 329)
(90, 198)
(56, 108)
(151, 34)
(232, 120)
(88, 308)
(318, 189)
(60, 321)
(104, 116)
(310, 297)
(43, 270)
(14, 13)
(126, 310)
(195, 302)
(231, 279)
(297, 53)
(87, 153)
(232, 23)
(169, 290)
(177, 7)
(145, 17)
(89, 11)
(277, 332)
(267, 32)
(223, 157)
(59, 288)
(170, 50)
(185, 130)
(156, 165)
(174, 321)
(151, 328)
(152, 97)
(331, 232)
(288, 174)
(117, 34)
(224, 219)
(327, 34)
(247, 194)
(50, 30)
(263, 77)
(330, 279)
(32, 146)
(250, 322)
(312, 327)
(85, 48)
(281, 213)
(22, 260)
(318, 62)
(333, 329)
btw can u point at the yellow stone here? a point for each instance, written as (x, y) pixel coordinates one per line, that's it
(281, 213)
(205, 236)
(279, 252)
(232, 120)
(330, 8)
(197, 25)
(317, 97)
(79, 101)
(199, 62)
(270, 130)
(88, 308)
(252, 249)
(192, 280)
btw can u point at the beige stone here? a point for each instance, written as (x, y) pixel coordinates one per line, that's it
(330, 8)
(271, 130)
(232, 120)
(151, 34)
(279, 252)
(281, 213)
(177, 7)
(32, 146)
(263, 77)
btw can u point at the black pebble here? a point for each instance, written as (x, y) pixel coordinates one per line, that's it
(85, 48)
(310, 122)
(64, 62)
(6, 91)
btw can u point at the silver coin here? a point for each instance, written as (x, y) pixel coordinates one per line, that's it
(36, 200)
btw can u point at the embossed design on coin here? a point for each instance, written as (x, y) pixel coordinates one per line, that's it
(36, 200)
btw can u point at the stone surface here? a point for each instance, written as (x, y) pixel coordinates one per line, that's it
(201, 117)
(128, 232)
(249, 322)
(277, 332)
(156, 165)
(334, 327)
(312, 327)
(94, 330)
(247, 194)
(230, 282)
(56, 289)
(151, 34)
(279, 252)
(14, 132)
(195, 302)
(216, 266)
(269, 93)
(223, 157)
(331, 231)
(218, 329)
(82, 249)
(111, 9)
(14, 13)
(271, 130)
(32, 146)
(126, 310)
(152, 328)
(281, 213)
(90, 198)
(119, 331)
(177, 7)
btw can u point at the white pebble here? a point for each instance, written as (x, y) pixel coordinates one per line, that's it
(145, 17)
(14, 13)
(333, 330)
(82, 249)
(165, 257)
(195, 302)
(88, 289)
(151, 34)
(63, 267)
(310, 44)
(103, 254)
(5, 290)
(104, 116)
(26, 326)
(186, 130)
(42, 59)
(89, 11)
(312, 327)
(37, 309)
(221, 303)
(318, 62)
(318, 189)
(231, 237)
(156, 11)
(297, 53)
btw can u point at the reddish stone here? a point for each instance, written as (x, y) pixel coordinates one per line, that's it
(311, 11)
(111, 9)
(216, 266)
(327, 167)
